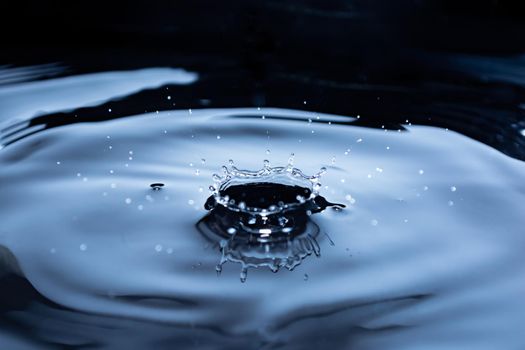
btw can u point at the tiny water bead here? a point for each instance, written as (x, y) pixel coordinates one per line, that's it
(264, 210)
(157, 186)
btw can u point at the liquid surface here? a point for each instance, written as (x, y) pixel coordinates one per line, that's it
(428, 253)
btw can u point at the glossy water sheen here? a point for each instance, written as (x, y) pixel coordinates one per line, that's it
(428, 253)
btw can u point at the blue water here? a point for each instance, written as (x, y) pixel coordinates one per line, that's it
(427, 254)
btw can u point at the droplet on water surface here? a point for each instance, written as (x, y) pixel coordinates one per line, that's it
(261, 218)
(157, 186)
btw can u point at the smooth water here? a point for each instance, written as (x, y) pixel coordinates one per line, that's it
(427, 254)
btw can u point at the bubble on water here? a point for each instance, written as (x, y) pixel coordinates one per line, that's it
(83, 247)
(350, 199)
(300, 199)
(158, 248)
(128, 200)
(453, 188)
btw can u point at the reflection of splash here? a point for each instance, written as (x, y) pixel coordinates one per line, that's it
(250, 252)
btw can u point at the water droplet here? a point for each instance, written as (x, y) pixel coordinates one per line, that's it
(203, 161)
(450, 203)
(197, 172)
(83, 247)
(421, 171)
(359, 140)
(218, 137)
(128, 200)
(231, 230)
(157, 186)
(169, 97)
(191, 202)
(350, 199)
(58, 163)
(266, 163)
(244, 274)
(268, 151)
(305, 277)
(374, 222)
(158, 248)
(230, 161)
(453, 188)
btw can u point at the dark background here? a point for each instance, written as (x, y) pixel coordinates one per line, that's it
(357, 33)
(446, 63)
